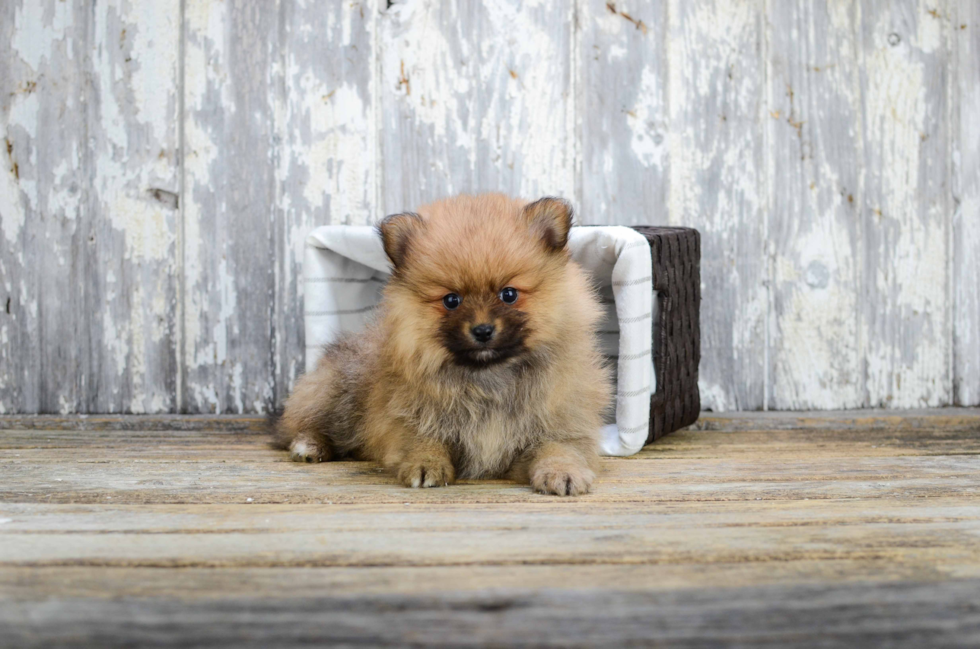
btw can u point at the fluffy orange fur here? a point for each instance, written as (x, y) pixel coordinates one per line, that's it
(419, 394)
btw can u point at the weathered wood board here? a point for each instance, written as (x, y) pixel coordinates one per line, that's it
(814, 104)
(624, 123)
(38, 336)
(229, 226)
(848, 615)
(905, 211)
(717, 102)
(965, 126)
(327, 148)
(476, 96)
(88, 204)
(841, 531)
(152, 242)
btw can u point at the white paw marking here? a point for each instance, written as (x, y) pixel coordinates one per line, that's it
(300, 448)
(300, 451)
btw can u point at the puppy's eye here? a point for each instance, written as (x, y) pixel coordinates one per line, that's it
(452, 301)
(508, 295)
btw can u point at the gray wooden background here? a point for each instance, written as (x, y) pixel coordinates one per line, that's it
(163, 160)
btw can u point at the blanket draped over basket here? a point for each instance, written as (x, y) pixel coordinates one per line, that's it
(345, 269)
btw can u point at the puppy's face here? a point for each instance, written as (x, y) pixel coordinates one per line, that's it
(477, 279)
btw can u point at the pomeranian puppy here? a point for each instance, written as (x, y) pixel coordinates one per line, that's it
(482, 361)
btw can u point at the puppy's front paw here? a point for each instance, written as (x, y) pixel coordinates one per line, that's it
(305, 450)
(426, 472)
(562, 478)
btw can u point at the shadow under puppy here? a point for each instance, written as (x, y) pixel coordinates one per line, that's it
(482, 361)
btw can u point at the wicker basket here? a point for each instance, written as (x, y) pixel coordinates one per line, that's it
(676, 256)
(345, 270)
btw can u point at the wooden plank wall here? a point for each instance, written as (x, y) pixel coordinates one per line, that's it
(828, 152)
(89, 202)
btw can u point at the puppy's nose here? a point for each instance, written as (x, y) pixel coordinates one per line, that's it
(482, 332)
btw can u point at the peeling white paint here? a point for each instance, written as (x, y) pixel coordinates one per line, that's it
(65, 196)
(138, 359)
(931, 19)
(65, 405)
(616, 52)
(812, 118)
(715, 397)
(237, 387)
(903, 372)
(716, 98)
(38, 27)
(228, 312)
(116, 342)
(643, 121)
(335, 157)
(487, 118)
(966, 218)
(205, 394)
(22, 118)
(12, 213)
(148, 234)
(154, 58)
(206, 19)
(202, 153)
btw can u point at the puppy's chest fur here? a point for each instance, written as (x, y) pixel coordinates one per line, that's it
(486, 421)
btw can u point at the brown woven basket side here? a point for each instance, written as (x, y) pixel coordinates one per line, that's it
(676, 256)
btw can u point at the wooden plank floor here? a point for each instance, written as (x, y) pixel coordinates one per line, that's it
(840, 529)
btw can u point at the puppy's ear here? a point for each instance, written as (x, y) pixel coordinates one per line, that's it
(550, 218)
(396, 232)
